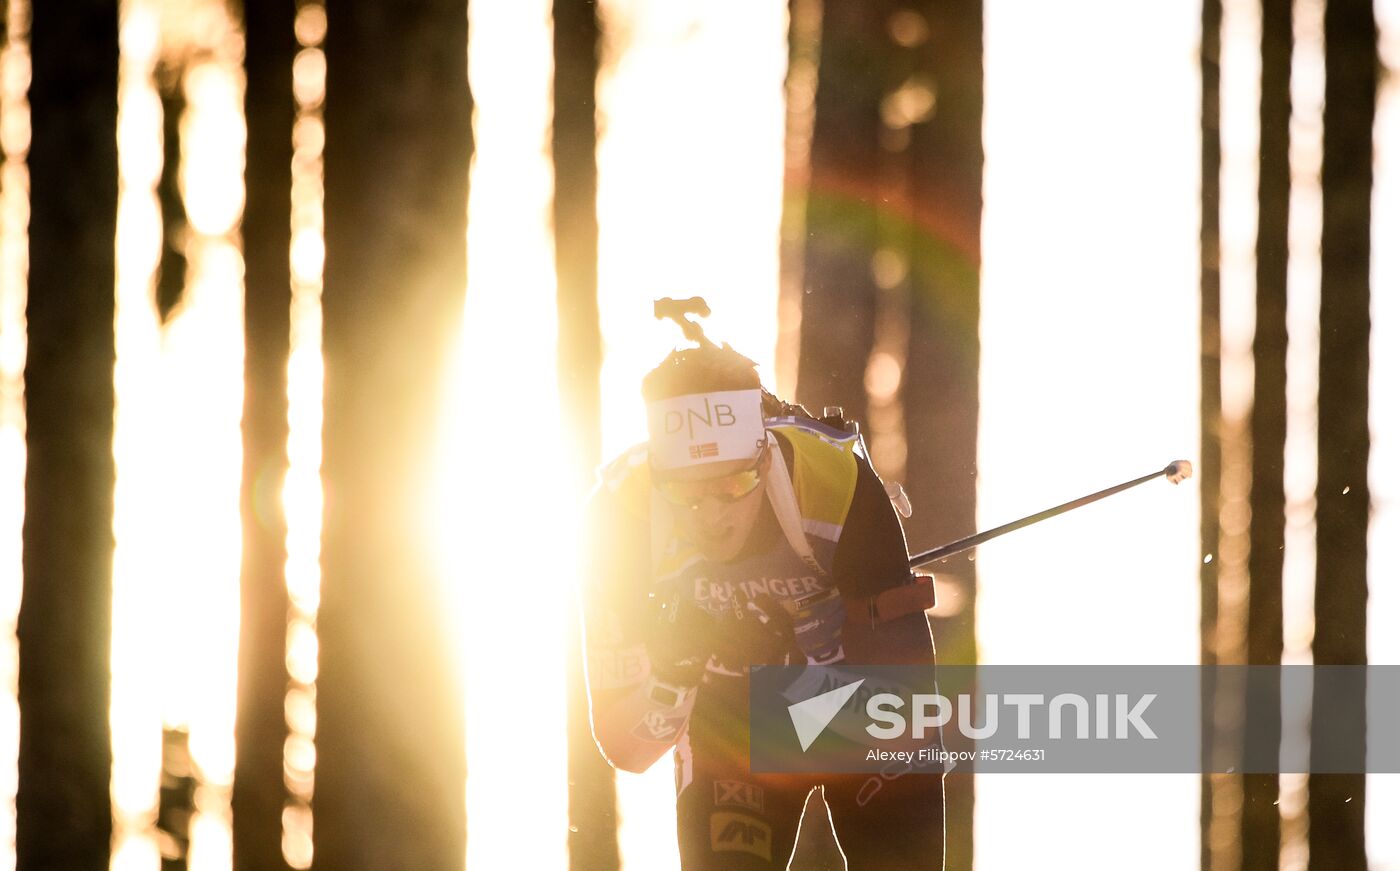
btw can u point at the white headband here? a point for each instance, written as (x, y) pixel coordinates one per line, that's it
(705, 428)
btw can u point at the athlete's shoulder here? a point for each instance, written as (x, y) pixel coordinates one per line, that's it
(629, 464)
(625, 481)
(816, 438)
(824, 468)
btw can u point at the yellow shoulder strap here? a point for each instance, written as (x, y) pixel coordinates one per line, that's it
(823, 477)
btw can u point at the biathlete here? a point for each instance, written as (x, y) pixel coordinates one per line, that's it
(742, 533)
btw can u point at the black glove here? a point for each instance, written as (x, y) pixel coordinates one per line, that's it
(680, 637)
(759, 632)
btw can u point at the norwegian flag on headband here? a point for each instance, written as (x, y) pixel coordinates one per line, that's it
(708, 449)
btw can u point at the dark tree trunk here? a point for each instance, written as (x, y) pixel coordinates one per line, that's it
(802, 319)
(391, 748)
(841, 297)
(1259, 839)
(799, 86)
(940, 387)
(911, 184)
(171, 271)
(1337, 802)
(575, 146)
(592, 790)
(258, 790)
(65, 758)
(1210, 456)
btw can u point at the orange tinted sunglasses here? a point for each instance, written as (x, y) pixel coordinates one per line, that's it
(726, 489)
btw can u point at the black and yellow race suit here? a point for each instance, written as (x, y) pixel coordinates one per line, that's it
(728, 816)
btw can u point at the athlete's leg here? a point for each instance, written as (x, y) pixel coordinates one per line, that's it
(726, 817)
(891, 820)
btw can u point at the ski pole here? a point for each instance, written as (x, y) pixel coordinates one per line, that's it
(1176, 472)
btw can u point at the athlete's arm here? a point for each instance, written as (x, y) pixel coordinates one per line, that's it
(634, 721)
(871, 557)
(635, 717)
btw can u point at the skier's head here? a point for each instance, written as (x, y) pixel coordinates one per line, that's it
(708, 447)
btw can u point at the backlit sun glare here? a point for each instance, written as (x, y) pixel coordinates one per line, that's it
(506, 534)
(690, 175)
(1090, 257)
(177, 442)
(302, 494)
(14, 258)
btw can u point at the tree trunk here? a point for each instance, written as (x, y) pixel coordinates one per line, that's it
(894, 174)
(839, 305)
(65, 758)
(258, 790)
(1259, 839)
(575, 146)
(592, 789)
(1210, 455)
(391, 748)
(1337, 802)
(944, 352)
(799, 87)
(173, 265)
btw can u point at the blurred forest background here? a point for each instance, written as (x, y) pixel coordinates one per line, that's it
(316, 320)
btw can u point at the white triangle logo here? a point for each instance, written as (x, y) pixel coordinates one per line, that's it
(810, 717)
